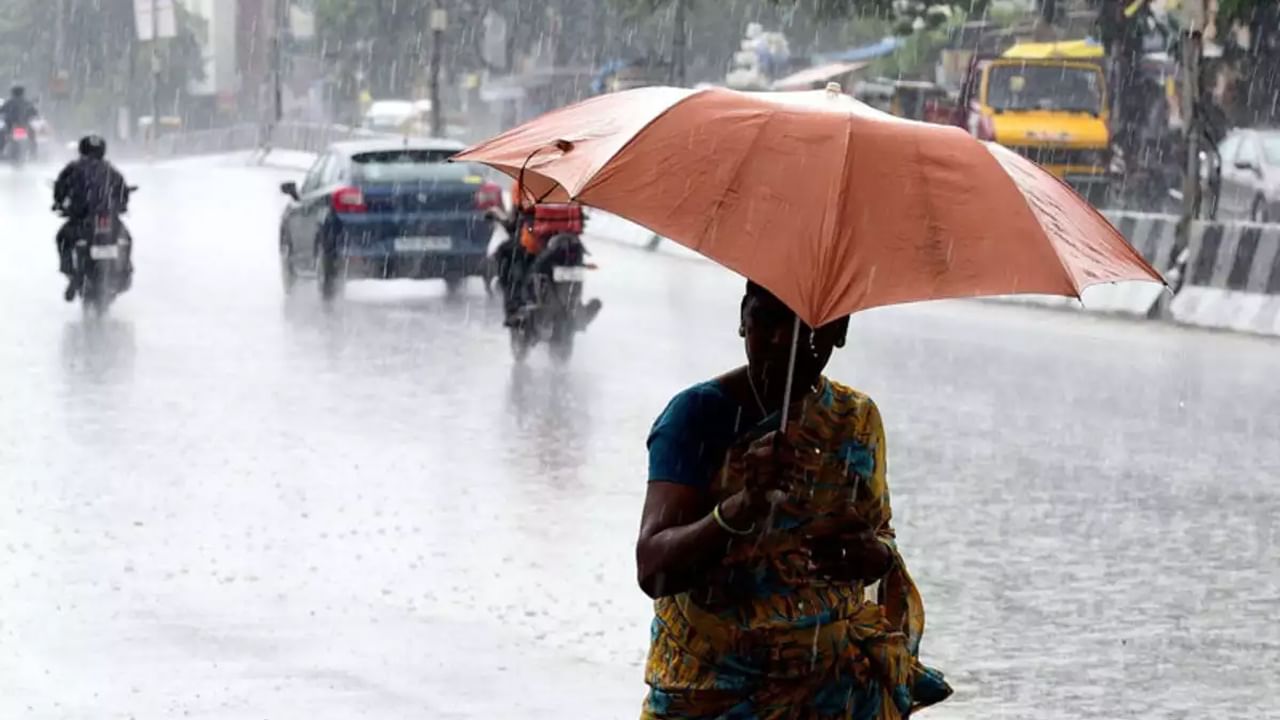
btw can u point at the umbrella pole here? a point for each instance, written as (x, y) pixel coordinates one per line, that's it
(791, 373)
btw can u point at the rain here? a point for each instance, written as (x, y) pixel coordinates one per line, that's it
(300, 423)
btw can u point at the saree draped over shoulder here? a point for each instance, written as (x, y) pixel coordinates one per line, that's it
(761, 638)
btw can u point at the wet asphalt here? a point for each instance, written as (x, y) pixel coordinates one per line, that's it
(219, 502)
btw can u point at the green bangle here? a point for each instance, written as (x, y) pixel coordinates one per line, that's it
(715, 515)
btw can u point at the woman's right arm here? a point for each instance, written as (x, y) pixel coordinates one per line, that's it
(680, 539)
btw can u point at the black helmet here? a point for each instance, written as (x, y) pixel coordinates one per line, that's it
(93, 146)
(18, 91)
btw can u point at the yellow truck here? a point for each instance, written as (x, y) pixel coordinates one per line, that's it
(1048, 102)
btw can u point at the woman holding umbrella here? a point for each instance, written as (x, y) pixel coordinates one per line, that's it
(767, 513)
(760, 607)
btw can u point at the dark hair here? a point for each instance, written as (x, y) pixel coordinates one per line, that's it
(18, 91)
(759, 292)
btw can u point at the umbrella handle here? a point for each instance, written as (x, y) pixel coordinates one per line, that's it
(520, 177)
(791, 373)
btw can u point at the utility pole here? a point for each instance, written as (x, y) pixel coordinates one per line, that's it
(439, 20)
(1192, 50)
(155, 72)
(275, 113)
(679, 40)
(57, 76)
(1048, 11)
(277, 60)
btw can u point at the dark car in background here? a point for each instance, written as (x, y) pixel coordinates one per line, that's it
(385, 209)
(1247, 185)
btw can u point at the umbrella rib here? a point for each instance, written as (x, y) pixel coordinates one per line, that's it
(733, 179)
(842, 195)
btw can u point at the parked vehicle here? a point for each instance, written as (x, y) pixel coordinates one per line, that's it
(384, 209)
(1245, 177)
(398, 116)
(103, 259)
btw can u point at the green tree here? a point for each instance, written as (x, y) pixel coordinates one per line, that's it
(846, 20)
(87, 61)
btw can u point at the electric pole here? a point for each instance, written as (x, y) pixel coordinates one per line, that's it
(275, 113)
(439, 20)
(1192, 49)
(155, 72)
(679, 40)
(1048, 11)
(277, 60)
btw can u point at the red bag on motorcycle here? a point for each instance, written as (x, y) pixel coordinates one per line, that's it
(550, 219)
(555, 218)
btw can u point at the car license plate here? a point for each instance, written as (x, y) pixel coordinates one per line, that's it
(423, 244)
(104, 252)
(568, 274)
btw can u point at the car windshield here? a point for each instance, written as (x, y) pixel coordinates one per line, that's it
(1044, 87)
(400, 165)
(1271, 149)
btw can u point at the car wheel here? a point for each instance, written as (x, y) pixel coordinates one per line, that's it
(288, 275)
(327, 279)
(1259, 213)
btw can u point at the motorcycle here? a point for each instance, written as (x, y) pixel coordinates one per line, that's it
(102, 257)
(17, 146)
(553, 311)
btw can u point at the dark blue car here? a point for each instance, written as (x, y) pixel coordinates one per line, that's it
(387, 209)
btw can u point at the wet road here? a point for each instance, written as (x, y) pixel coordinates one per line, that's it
(218, 503)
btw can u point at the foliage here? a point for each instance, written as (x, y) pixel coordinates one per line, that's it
(102, 60)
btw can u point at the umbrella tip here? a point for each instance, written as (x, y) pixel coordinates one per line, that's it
(833, 88)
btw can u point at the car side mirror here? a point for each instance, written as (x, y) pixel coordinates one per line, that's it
(290, 188)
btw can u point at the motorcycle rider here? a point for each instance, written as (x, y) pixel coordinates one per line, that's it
(86, 187)
(18, 111)
(512, 254)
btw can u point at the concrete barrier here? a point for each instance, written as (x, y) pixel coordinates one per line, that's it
(1232, 278)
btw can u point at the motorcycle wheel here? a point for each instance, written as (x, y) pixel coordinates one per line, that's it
(521, 343)
(561, 344)
(93, 291)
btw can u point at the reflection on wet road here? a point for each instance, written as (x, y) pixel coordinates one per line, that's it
(221, 503)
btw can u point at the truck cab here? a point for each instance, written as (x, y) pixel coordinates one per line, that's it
(1052, 110)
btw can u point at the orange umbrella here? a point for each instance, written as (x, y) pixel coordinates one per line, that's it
(833, 206)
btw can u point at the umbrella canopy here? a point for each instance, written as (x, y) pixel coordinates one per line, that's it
(833, 206)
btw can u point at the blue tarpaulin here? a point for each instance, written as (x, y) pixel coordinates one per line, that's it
(866, 52)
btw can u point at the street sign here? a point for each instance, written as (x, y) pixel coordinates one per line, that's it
(164, 22)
